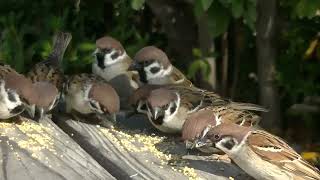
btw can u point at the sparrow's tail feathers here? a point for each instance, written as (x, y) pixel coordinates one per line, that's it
(61, 42)
(248, 106)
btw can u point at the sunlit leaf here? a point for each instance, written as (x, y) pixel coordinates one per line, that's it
(137, 4)
(311, 48)
(197, 52)
(86, 46)
(310, 156)
(199, 65)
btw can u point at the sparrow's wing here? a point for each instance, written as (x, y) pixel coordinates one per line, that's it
(179, 78)
(275, 151)
(5, 69)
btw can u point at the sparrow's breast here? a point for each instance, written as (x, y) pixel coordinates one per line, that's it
(77, 102)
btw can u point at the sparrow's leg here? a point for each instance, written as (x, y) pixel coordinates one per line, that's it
(39, 114)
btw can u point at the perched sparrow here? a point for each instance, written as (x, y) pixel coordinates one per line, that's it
(139, 97)
(197, 122)
(259, 153)
(48, 77)
(88, 94)
(112, 63)
(154, 67)
(50, 70)
(169, 106)
(16, 93)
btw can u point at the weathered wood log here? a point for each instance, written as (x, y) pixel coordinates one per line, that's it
(33, 151)
(128, 153)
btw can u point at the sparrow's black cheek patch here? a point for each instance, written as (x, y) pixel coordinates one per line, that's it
(100, 59)
(173, 108)
(229, 144)
(11, 97)
(144, 107)
(142, 75)
(115, 55)
(155, 70)
(159, 120)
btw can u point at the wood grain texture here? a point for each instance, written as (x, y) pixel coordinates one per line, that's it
(128, 153)
(33, 151)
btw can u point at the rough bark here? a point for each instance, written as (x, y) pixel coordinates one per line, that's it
(33, 151)
(266, 55)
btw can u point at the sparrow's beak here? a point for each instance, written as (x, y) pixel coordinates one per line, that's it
(200, 142)
(156, 113)
(190, 145)
(31, 110)
(112, 117)
(134, 67)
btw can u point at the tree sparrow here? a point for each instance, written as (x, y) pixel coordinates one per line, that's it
(88, 94)
(16, 93)
(48, 77)
(112, 63)
(154, 67)
(50, 70)
(169, 106)
(259, 153)
(197, 122)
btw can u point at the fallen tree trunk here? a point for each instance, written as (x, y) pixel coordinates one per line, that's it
(142, 154)
(32, 151)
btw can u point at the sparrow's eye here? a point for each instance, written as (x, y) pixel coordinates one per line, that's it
(216, 136)
(94, 105)
(173, 108)
(106, 51)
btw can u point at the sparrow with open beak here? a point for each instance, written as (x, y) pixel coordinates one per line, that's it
(48, 77)
(168, 106)
(154, 67)
(259, 153)
(87, 94)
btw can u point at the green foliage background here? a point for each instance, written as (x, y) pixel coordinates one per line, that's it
(27, 27)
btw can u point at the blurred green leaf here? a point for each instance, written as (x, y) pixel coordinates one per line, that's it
(199, 65)
(307, 8)
(250, 15)
(198, 9)
(218, 19)
(87, 46)
(206, 4)
(197, 52)
(237, 8)
(137, 4)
